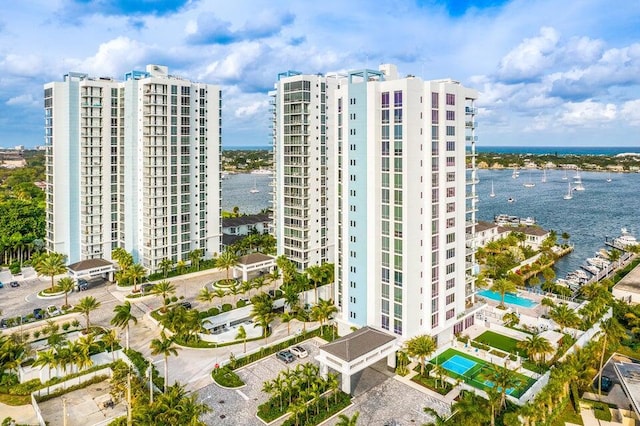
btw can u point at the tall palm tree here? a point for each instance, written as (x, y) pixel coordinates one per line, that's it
(110, 339)
(611, 331)
(286, 318)
(165, 266)
(122, 318)
(536, 347)
(315, 274)
(227, 260)
(421, 347)
(136, 272)
(194, 257)
(206, 295)
(503, 379)
(164, 289)
(242, 335)
(46, 358)
(438, 420)
(165, 347)
(51, 264)
(323, 311)
(564, 316)
(66, 284)
(470, 410)
(86, 306)
(503, 286)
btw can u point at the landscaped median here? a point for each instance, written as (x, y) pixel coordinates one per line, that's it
(226, 378)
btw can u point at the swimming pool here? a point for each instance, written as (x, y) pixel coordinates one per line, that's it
(510, 298)
(458, 364)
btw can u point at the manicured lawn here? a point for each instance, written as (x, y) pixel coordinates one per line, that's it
(498, 341)
(479, 375)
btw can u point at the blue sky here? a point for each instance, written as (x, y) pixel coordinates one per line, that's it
(548, 72)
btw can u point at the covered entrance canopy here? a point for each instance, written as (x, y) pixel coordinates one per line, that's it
(91, 268)
(254, 262)
(355, 352)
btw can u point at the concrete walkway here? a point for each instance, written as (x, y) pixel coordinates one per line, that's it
(22, 414)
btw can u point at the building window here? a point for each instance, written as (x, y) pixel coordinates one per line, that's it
(451, 115)
(450, 298)
(397, 326)
(451, 253)
(451, 99)
(450, 314)
(451, 161)
(385, 99)
(434, 320)
(451, 146)
(451, 268)
(451, 130)
(385, 322)
(434, 99)
(451, 282)
(397, 98)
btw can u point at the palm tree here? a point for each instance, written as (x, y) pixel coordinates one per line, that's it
(315, 273)
(66, 284)
(206, 295)
(503, 379)
(122, 318)
(86, 306)
(135, 272)
(421, 347)
(323, 311)
(122, 257)
(503, 286)
(536, 347)
(564, 316)
(611, 331)
(165, 347)
(565, 236)
(164, 288)
(51, 264)
(470, 410)
(110, 339)
(46, 358)
(242, 335)
(614, 257)
(180, 266)
(194, 256)
(286, 318)
(165, 266)
(227, 260)
(438, 420)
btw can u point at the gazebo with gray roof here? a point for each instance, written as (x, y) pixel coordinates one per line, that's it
(356, 351)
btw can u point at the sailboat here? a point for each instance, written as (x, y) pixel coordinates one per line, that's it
(544, 175)
(565, 177)
(515, 174)
(255, 189)
(568, 196)
(492, 194)
(529, 184)
(577, 181)
(609, 177)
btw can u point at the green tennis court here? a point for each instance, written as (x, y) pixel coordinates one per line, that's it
(476, 372)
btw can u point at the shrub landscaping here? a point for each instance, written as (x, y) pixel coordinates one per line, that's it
(225, 377)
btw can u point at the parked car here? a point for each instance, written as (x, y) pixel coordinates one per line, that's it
(14, 284)
(607, 383)
(82, 285)
(185, 304)
(4, 323)
(299, 351)
(38, 313)
(146, 288)
(1, 285)
(53, 311)
(285, 356)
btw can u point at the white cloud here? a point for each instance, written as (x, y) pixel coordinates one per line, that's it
(21, 65)
(587, 114)
(631, 112)
(24, 100)
(253, 109)
(114, 56)
(530, 58)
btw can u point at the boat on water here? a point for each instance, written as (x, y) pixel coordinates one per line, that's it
(492, 194)
(507, 220)
(544, 175)
(577, 182)
(261, 172)
(529, 183)
(598, 262)
(515, 173)
(255, 189)
(625, 239)
(591, 269)
(511, 200)
(565, 177)
(609, 177)
(568, 195)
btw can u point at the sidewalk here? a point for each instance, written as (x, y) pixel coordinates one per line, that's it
(22, 414)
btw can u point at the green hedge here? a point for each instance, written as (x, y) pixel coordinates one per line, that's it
(343, 401)
(142, 364)
(96, 379)
(224, 376)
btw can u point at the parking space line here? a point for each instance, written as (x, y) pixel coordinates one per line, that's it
(245, 397)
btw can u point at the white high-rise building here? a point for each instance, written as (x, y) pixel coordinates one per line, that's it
(131, 164)
(303, 207)
(400, 155)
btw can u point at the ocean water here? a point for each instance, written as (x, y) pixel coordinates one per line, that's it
(559, 150)
(236, 192)
(589, 218)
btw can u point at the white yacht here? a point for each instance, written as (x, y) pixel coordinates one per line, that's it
(625, 239)
(568, 195)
